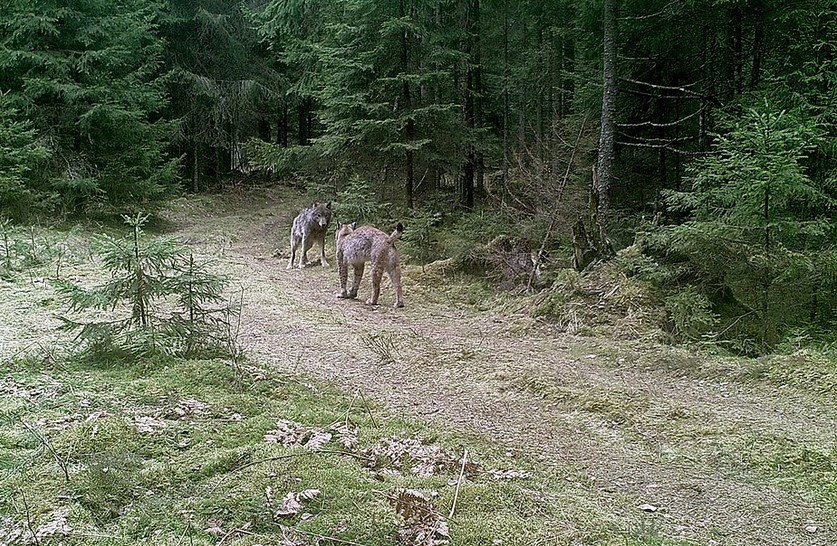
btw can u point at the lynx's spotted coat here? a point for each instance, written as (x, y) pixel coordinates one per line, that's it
(355, 247)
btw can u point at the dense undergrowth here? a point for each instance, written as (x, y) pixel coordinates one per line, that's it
(664, 286)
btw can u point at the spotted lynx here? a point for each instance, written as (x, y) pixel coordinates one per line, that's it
(355, 247)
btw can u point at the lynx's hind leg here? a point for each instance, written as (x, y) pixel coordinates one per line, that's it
(377, 274)
(358, 275)
(395, 277)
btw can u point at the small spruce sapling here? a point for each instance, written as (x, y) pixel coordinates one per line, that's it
(171, 298)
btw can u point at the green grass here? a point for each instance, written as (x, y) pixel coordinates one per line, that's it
(204, 474)
(211, 464)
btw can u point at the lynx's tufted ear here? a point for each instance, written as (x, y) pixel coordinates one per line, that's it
(314, 204)
(341, 225)
(328, 205)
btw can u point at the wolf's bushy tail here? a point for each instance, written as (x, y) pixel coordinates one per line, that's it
(399, 229)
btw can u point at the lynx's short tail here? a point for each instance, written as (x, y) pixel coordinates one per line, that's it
(399, 229)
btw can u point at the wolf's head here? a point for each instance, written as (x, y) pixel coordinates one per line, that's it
(321, 214)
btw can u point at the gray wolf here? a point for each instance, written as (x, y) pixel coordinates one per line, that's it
(310, 226)
(355, 247)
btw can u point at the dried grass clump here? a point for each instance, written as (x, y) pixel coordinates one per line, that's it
(604, 301)
(507, 262)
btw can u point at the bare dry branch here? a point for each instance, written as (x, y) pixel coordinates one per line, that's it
(661, 125)
(650, 15)
(458, 483)
(682, 89)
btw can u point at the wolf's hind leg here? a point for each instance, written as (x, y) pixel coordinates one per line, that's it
(294, 245)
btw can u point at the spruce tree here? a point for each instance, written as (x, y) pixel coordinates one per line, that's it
(761, 235)
(146, 276)
(223, 87)
(21, 187)
(87, 75)
(372, 75)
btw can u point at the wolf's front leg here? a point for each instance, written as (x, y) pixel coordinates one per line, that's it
(303, 252)
(294, 245)
(323, 261)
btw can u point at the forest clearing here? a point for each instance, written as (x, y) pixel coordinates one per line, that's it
(600, 295)
(605, 441)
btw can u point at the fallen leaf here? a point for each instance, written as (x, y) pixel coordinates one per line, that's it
(290, 505)
(292, 502)
(148, 424)
(317, 439)
(422, 524)
(287, 433)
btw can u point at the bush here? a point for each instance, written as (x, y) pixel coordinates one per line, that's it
(421, 238)
(20, 156)
(358, 203)
(691, 314)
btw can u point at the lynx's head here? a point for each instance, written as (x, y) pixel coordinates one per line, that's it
(343, 230)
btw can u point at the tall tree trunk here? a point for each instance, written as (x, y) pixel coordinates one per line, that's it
(282, 126)
(195, 168)
(565, 77)
(219, 166)
(737, 50)
(309, 119)
(540, 81)
(708, 90)
(521, 115)
(604, 164)
(410, 129)
(662, 176)
(302, 121)
(466, 196)
(758, 42)
(479, 167)
(506, 142)
(264, 129)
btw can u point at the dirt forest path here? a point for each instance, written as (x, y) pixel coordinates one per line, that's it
(590, 410)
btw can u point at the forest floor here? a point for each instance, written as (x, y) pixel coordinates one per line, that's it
(692, 446)
(702, 445)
